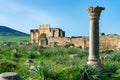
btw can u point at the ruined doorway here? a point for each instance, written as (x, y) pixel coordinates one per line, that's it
(43, 40)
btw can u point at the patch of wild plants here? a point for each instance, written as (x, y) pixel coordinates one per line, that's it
(91, 73)
(49, 72)
(115, 56)
(33, 48)
(45, 71)
(110, 67)
(51, 52)
(23, 72)
(6, 66)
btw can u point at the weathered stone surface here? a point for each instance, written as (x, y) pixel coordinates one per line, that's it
(73, 55)
(14, 50)
(106, 41)
(7, 44)
(94, 13)
(75, 42)
(44, 31)
(29, 62)
(32, 69)
(37, 52)
(9, 76)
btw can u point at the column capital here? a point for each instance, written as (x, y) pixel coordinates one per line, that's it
(94, 12)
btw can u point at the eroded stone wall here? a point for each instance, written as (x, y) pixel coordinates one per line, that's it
(106, 41)
(109, 42)
(44, 31)
(77, 42)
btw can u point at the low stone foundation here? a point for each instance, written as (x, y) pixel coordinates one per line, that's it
(9, 76)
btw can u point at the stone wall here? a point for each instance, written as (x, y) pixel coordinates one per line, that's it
(110, 42)
(106, 41)
(44, 31)
(77, 42)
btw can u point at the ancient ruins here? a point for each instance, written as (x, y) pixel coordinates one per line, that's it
(40, 36)
(45, 35)
(94, 13)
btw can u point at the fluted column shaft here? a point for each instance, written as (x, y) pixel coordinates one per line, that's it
(31, 36)
(94, 13)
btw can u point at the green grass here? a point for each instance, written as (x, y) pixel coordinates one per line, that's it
(56, 63)
(14, 38)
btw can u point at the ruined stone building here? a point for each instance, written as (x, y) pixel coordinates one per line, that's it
(40, 36)
(45, 35)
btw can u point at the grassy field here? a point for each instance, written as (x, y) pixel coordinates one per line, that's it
(14, 38)
(57, 63)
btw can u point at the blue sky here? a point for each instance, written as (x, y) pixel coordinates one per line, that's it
(69, 15)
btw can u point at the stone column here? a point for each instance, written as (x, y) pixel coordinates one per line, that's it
(52, 33)
(31, 36)
(37, 36)
(118, 45)
(84, 44)
(94, 13)
(34, 36)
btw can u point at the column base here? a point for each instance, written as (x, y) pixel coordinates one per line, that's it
(95, 62)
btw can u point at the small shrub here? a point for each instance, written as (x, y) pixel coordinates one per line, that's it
(16, 55)
(33, 47)
(115, 57)
(46, 72)
(110, 68)
(70, 73)
(7, 66)
(31, 55)
(90, 73)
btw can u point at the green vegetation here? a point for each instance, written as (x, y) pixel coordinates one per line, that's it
(14, 38)
(57, 63)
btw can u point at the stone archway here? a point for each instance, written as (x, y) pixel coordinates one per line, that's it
(43, 39)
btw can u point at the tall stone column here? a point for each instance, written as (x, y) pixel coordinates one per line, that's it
(34, 36)
(94, 13)
(31, 36)
(37, 36)
(84, 44)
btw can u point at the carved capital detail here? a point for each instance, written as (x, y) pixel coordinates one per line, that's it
(94, 12)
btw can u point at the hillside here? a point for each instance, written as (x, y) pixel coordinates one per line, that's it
(6, 31)
(14, 39)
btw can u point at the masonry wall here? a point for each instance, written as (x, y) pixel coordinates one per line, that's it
(110, 42)
(106, 42)
(44, 31)
(78, 42)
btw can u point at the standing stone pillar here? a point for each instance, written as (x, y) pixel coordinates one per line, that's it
(31, 36)
(34, 36)
(94, 13)
(37, 36)
(84, 44)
